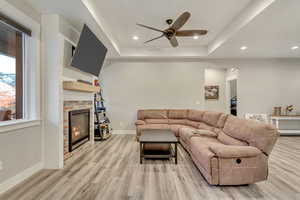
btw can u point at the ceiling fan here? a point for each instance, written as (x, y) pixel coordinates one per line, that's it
(174, 30)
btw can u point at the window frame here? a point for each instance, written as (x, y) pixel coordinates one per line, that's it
(20, 52)
(32, 97)
(17, 51)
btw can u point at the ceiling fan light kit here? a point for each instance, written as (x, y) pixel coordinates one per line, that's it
(174, 30)
(169, 21)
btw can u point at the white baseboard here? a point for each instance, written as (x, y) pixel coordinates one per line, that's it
(123, 132)
(13, 181)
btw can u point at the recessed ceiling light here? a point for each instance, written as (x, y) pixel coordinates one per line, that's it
(244, 48)
(295, 47)
(196, 37)
(135, 37)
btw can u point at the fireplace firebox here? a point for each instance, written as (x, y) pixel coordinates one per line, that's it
(79, 128)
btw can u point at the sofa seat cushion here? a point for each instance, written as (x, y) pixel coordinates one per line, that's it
(228, 140)
(177, 114)
(205, 126)
(185, 133)
(157, 121)
(177, 121)
(175, 128)
(200, 149)
(206, 141)
(229, 151)
(192, 123)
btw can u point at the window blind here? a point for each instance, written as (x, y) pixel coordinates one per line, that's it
(15, 25)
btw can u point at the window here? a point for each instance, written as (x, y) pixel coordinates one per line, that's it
(11, 73)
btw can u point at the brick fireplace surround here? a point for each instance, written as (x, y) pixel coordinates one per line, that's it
(71, 106)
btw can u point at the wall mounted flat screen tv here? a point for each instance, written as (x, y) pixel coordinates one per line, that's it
(89, 53)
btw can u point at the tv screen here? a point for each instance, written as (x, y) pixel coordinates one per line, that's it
(89, 53)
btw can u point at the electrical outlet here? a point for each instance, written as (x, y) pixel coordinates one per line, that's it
(1, 165)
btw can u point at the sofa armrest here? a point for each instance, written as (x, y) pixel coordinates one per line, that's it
(140, 122)
(228, 151)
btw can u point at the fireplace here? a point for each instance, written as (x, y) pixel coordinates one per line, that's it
(79, 128)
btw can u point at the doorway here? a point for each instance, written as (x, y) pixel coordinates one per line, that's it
(233, 96)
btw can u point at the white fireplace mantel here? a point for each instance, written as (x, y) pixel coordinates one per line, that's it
(69, 95)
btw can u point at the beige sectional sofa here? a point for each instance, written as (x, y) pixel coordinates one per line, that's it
(234, 152)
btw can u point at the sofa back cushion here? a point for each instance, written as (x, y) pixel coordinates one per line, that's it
(152, 114)
(205, 126)
(211, 118)
(257, 134)
(177, 121)
(177, 114)
(157, 121)
(195, 115)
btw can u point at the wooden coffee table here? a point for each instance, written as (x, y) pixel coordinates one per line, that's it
(158, 137)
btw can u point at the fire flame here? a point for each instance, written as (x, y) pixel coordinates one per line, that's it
(76, 131)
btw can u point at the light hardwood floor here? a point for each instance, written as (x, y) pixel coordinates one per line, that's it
(110, 170)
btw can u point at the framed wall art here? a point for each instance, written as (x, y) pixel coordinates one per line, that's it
(212, 92)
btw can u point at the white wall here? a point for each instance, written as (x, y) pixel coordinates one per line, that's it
(57, 37)
(216, 76)
(52, 53)
(129, 86)
(21, 149)
(262, 84)
(26, 8)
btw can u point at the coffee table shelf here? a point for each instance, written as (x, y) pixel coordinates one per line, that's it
(158, 137)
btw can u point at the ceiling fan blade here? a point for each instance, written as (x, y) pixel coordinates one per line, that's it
(188, 33)
(181, 20)
(154, 29)
(173, 41)
(156, 38)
